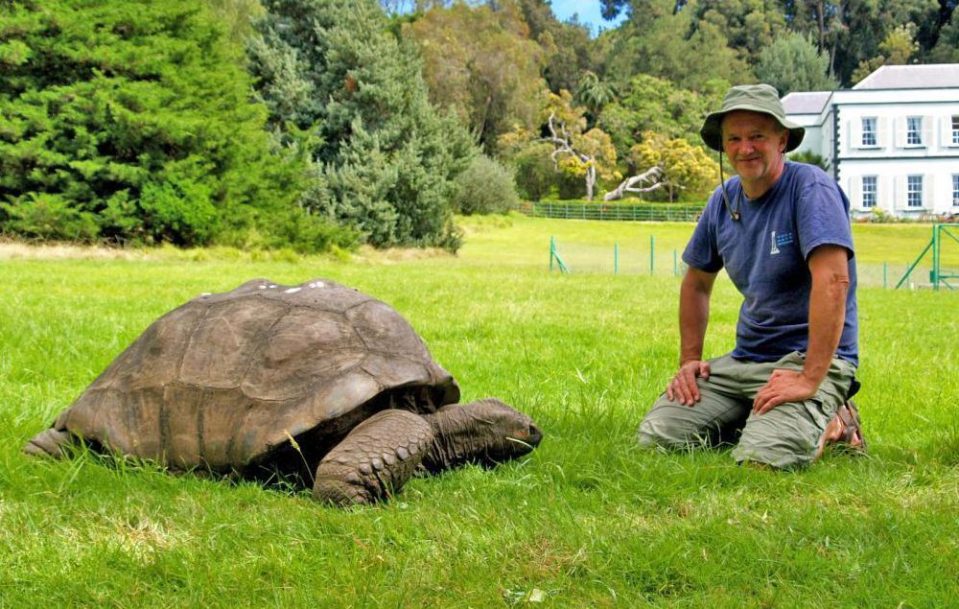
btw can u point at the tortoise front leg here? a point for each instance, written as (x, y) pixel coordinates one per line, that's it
(50, 442)
(374, 460)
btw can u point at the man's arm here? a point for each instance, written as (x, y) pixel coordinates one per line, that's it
(828, 265)
(693, 317)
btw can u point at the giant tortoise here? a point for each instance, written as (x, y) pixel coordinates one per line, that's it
(316, 383)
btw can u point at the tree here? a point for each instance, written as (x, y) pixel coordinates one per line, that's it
(946, 49)
(673, 46)
(651, 104)
(897, 48)
(385, 159)
(238, 16)
(594, 93)
(132, 121)
(792, 63)
(568, 52)
(481, 64)
(586, 155)
(648, 181)
(688, 172)
(850, 32)
(749, 25)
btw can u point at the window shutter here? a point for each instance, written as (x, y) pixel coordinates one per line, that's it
(899, 124)
(855, 133)
(946, 131)
(854, 191)
(928, 131)
(899, 192)
(882, 194)
(882, 131)
(928, 191)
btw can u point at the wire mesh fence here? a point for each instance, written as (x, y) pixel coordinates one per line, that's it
(648, 259)
(647, 212)
(628, 259)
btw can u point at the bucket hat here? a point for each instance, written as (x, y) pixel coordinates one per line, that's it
(754, 98)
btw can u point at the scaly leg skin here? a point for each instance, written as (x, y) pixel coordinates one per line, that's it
(375, 460)
(49, 443)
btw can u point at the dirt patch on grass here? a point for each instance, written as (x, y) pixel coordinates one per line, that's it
(10, 250)
(395, 255)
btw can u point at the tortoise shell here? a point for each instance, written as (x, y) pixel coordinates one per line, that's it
(224, 380)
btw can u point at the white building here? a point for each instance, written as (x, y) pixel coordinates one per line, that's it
(892, 141)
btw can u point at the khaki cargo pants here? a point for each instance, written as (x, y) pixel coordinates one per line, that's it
(785, 437)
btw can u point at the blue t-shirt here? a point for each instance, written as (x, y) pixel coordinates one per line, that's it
(766, 255)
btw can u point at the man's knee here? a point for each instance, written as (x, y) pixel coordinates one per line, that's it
(668, 426)
(767, 441)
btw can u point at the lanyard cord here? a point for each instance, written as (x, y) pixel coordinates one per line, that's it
(733, 213)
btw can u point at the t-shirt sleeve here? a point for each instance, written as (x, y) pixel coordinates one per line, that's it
(822, 216)
(702, 251)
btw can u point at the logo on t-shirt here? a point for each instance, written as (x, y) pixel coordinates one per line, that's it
(778, 241)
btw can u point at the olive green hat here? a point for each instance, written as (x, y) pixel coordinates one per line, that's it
(754, 98)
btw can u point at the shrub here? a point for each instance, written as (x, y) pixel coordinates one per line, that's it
(809, 157)
(48, 217)
(308, 233)
(485, 187)
(534, 171)
(179, 212)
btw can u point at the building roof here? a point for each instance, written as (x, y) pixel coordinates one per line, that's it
(924, 76)
(811, 102)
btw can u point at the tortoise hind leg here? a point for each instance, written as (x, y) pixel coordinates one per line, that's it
(374, 460)
(49, 443)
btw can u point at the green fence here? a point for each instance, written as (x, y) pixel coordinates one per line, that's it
(626, 259)
(647, 258)
(604, 211)
(938, 276)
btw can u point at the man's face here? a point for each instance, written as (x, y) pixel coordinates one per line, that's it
(754, 143)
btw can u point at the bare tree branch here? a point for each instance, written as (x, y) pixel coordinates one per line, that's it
(563, 145)
(652, 175)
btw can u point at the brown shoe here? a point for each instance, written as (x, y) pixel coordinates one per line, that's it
(844, 431)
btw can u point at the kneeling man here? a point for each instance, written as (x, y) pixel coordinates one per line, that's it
(781, 231)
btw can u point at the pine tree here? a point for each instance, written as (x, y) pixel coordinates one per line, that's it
(341, 86)
(131, 121)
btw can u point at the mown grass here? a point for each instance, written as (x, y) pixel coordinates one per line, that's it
(587, 520)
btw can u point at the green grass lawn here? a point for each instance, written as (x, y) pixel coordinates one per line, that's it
(587, 520)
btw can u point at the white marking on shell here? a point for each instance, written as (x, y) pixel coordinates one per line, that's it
(291, 291)
(261, 286)
(317, 284)
(272, 286)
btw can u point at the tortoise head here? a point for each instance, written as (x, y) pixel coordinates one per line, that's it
(485, 432)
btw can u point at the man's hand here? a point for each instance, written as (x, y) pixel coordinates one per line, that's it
(784, 386)
(683, 388)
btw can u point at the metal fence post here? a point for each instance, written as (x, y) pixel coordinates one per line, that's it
(552, 250)
(652, 253)
(934, 275)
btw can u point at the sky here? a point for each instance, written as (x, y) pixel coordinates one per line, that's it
(588, 11)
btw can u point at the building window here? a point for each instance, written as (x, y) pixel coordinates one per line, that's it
(955, 190)
(914, 191)
(914, 131)
(955, 130)
(869, 131)
(869, 191)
